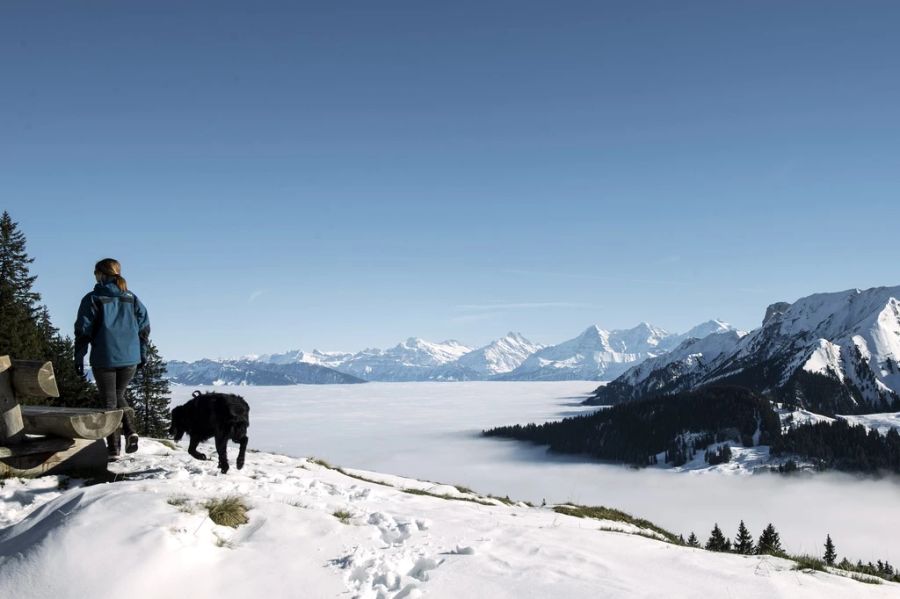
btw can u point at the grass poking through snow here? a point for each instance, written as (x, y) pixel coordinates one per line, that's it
(229, 511)
(605, 513)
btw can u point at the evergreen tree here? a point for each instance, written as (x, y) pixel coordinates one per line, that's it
(149, 394)
(830, 553)
(743, 542)
(769, 542)
(74, 389)
(692, 540)
(19, 334)
(717, 541)
(26, 332)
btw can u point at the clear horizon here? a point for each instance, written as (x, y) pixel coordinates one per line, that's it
(281, 176)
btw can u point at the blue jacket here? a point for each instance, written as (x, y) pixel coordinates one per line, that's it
(115, 324)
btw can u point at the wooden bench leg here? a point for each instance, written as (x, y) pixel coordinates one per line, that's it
(84, 457)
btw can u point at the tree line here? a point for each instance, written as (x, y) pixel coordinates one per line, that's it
(27, 333)
(842, 446)
(712, 419)
(636, 432)
(769, 543)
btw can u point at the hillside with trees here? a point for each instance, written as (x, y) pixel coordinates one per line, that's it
(27, 333)
(676, 426)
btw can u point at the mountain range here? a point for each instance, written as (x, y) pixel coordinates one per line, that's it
(828, 352)
(595, 354)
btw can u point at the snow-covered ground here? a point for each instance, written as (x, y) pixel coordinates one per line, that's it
(880, 422)
(149, 536)
(431, 431)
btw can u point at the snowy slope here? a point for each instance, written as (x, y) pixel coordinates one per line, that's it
(410, 360)
(831, 352)
(500, 356)
(252, 372)
(329, 359)
(675, 371)
(598, 354)
(394, 545)
(594, 354)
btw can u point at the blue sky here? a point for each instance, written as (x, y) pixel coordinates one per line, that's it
(339, 175)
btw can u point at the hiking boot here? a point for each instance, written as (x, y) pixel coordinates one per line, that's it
(112, 446)
(132, 445)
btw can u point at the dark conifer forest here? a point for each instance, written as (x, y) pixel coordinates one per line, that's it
(637, 432)
(634, 432)
(842, 446)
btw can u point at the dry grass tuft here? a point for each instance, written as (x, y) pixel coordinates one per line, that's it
(229, 511)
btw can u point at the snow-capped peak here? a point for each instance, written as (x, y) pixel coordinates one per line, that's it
(832, 352)
(500, 356)
(710, 327)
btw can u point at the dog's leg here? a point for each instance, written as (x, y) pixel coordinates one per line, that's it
(192, 449)
(222, 448)
(241, 452)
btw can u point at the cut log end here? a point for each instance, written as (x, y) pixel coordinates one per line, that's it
(72, 423)
(34, 378)
(11, 426)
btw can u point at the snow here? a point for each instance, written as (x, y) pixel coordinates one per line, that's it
(595, 354)
(797, 417)
(500, 356)
(695, 354)
(826, 359)
(743, 460)
(880, 422)
(851, 336)
(149, 536)
(431, 431)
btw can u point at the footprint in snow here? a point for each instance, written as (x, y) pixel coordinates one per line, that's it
(393, 532)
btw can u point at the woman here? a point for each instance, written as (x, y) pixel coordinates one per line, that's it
(115, 324)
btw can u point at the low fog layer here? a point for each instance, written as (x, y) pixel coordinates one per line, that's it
(430, 431)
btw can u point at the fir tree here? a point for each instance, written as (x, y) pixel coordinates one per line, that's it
(717, 541)
(743, 542)
(19, 334)
(26, 331)
(830, 553)
(74, 389)
(148, 393)
(769, 542)
(692, 540)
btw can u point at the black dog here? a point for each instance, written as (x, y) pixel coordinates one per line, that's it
(221, 415)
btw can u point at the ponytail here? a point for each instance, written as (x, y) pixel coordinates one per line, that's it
(121, 283)
(111, 270)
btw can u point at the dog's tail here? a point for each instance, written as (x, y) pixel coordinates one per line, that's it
(196, 394)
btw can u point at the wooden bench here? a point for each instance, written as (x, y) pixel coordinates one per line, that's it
(39, 440)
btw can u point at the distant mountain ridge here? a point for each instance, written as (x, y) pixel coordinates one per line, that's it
(596, 354)
(828, 352)
(251, 372)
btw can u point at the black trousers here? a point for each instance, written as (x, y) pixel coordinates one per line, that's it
(112, 382)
